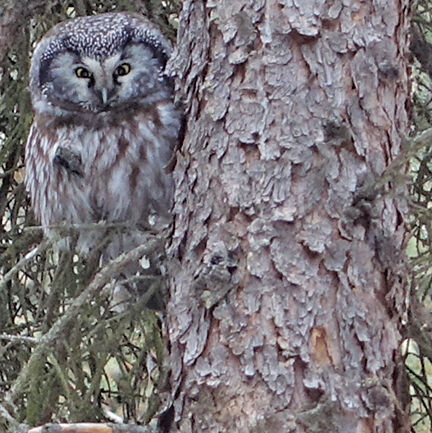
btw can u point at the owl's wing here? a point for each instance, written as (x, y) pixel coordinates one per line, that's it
(34, 163)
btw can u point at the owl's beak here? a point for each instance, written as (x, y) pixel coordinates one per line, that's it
(104, 95)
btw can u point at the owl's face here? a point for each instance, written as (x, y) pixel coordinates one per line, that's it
(78, 82)
(98, 64)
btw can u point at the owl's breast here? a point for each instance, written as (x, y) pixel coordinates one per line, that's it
(126, 169)
(119, 172)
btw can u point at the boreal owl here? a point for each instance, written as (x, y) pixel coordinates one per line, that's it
(104, 129)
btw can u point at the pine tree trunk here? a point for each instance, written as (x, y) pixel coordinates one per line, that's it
(287, 276)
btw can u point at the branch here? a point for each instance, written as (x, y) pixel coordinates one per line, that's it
(13, 423)
(421, 49)
(91, 428)
(410, 147)
(99, 281)
(29, 256)
(19, 338)
(68, 228)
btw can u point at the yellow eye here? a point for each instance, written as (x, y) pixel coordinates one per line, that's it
(123, 69)
(82, 72)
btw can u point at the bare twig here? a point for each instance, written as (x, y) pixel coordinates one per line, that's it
(4, 413)
(99, 281)
(28, 257)
(410, 147)
(91, 428)
(102, 225)
(19, 338)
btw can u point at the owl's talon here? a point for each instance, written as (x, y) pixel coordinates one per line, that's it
(69, 159)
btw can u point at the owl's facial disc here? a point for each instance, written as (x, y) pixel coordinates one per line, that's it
(82, 83)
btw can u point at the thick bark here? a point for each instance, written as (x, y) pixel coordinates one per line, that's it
(287, 275)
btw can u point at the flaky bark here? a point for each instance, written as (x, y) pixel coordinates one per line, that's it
(287, 286)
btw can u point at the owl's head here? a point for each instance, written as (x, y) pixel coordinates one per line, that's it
(98, 64)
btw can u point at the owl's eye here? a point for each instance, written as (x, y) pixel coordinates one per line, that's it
(122, 69)
(82, 72)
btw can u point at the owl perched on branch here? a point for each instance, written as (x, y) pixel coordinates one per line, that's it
(105, 127)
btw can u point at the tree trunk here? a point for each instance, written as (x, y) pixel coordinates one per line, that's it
(288, 268)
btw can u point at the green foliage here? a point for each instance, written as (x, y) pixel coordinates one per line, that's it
(55, 366)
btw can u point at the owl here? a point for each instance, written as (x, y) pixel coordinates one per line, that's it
(105, 127)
